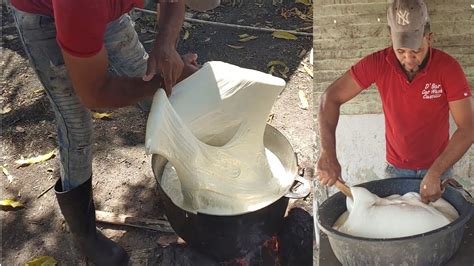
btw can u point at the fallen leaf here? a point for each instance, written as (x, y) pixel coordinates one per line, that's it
(280, 66)
(271, 71)
(284, 35)
(186, 35)
(284, 71)
(37, 159)
(101, 115)
(234, 46)
(270, 118)
(309, 71)
(42, 261)
(19, 129)
(295, 12)
(7, 174)
(303, 100)
(249, 38)
(304, 16)
(304, 2)
(276, 63)
(38, 91)
(245, 35)
(5, 110)
(10, 203)
(302, 53)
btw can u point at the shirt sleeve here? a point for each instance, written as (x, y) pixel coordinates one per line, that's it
(80, 26)
(367, 69)
(455, 82)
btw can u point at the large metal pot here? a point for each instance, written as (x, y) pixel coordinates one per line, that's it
(431, 248)
(229, 237)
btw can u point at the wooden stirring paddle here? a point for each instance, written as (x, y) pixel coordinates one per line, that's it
(343, 188)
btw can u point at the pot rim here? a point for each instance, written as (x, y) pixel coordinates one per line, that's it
(461, 221)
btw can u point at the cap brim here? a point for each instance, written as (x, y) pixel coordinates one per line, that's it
(410, 40)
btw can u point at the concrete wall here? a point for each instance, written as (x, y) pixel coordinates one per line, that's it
(344, 32)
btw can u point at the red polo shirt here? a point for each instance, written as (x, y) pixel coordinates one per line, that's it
(80, 24)
(416, 113)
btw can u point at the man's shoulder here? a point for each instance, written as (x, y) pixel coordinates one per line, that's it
(378, 57)
(442, 57)
(381, 54)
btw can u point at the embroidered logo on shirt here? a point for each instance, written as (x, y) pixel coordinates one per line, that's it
(432, 91)
(402, 17)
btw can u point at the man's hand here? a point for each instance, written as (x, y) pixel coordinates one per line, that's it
(460, 142)
(165, 59)
(430, 188)
(328, 169)
(190, 66)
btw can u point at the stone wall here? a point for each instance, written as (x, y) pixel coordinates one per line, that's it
(344, 32)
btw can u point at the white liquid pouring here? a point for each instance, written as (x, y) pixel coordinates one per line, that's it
(211, 131)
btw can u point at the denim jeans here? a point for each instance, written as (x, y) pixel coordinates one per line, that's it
(393, 171)
(127, 57)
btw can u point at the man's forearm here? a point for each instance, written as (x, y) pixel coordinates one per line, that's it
(456, 148)
(123, 91)
(170, 21)
(328, 118)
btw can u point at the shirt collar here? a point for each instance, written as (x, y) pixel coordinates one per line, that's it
(392, 60)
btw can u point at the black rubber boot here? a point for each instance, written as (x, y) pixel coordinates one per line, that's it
(78, 209)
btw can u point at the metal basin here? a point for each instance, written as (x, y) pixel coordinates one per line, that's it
(233, 236)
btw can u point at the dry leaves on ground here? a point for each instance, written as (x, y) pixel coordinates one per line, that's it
(42, 261)
(38, 159)
(11, 203)
(101, 115)
(6, 173)
(284, 35)
(280, 66)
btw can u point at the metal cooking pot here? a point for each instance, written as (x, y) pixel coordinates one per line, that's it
(229, 237)
(431, 248)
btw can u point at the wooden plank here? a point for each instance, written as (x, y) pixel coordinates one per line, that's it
(123, 219)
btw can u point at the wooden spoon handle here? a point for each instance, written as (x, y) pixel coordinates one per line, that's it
(343, 188)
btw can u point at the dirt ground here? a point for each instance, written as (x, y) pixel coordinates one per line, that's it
(123, 181)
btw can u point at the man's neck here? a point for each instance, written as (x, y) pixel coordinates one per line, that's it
(411, 75)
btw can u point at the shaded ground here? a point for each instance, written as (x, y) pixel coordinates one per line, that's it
(123, 181)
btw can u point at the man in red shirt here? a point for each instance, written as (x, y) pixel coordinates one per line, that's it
(72, 45)
(419, 86)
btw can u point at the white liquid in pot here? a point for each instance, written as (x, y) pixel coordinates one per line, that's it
(171, 184)
(395, 216)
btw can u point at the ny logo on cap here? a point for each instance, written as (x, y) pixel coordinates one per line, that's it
(402, 17)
